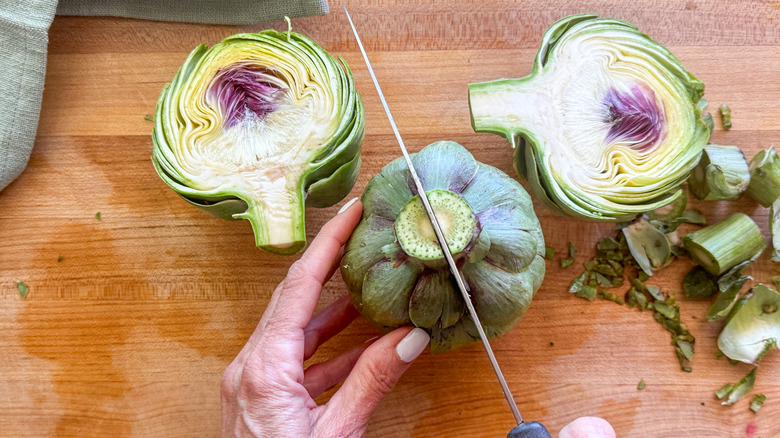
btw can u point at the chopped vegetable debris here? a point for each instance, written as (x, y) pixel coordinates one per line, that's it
(23, 289)
(725, 114)
(756, 402)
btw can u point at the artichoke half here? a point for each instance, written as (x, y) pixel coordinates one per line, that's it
(395, 270)
(258, 127)
(607, 125)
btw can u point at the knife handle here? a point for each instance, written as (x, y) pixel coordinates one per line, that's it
(532, 429)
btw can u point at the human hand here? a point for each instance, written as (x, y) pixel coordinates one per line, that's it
(265, 390)
(588, 427)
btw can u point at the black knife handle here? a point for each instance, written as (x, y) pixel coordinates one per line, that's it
(532, 429)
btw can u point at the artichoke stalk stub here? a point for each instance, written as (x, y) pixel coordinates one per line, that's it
(395, 271)
(607, 125)
(258, 127)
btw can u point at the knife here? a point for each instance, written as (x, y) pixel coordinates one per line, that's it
(531, 429)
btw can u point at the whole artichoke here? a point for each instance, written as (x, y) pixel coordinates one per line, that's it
(395, 270)
(258, 127)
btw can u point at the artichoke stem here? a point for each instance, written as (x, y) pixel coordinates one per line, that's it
(720, 247)
(280, 229)
(509, 106)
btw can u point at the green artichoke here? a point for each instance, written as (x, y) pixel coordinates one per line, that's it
(258, 127)
(395, 270)
(607, 125)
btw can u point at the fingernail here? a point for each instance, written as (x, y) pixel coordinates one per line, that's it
(412, 345)
(346, 206)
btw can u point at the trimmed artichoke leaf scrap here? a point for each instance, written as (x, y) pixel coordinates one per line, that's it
(764, 184)
(753, 327)
(607, 126)
(756, 402)
(729, 285)
(731, 393)
(722, 174)
(394, 268)
(258, 127)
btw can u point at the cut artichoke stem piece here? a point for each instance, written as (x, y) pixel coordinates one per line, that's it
(753, 327)
(606, 127)
(722, 174)
(415, 232)
(719, 247)
(258, 127)
(764, 184)
(393, 264)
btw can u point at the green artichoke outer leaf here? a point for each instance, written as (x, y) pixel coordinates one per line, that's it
(753, 327)
(435, 301)
(764, 184)
(649, 247)
(365, 249)
(511, 248)
(606, 127)
(389, 191)
(722, 174)
(387, 291)
(326, 192)
(451, 167)
(501, 297)
(258, 127)
(393, 280)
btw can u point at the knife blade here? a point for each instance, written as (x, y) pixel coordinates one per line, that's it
(523, 430)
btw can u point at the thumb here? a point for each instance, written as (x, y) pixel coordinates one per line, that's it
(588, 427)
(374, 375)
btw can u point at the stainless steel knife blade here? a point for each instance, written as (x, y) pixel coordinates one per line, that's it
(439, 235)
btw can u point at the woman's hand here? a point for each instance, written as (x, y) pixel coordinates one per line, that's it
(266, 391)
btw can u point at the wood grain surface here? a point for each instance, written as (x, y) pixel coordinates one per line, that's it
(131, 319)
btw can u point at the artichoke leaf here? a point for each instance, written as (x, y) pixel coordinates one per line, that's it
(363, 251)
(435, 301)
(753, 326)
(448, 166)
(389, 191)
(495, 291)
(649, 247)
(387, 291)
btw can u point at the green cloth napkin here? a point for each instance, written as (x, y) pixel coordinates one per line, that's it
(24, 27)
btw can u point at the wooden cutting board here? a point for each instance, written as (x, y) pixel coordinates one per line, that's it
(131, 319)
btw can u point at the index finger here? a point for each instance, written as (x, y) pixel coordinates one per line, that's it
(301, 291)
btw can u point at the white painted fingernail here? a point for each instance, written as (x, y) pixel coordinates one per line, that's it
(346, 206)
(412, 345)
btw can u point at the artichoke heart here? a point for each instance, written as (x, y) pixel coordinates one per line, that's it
(607, 125)
(394, 267)
(258, 127)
